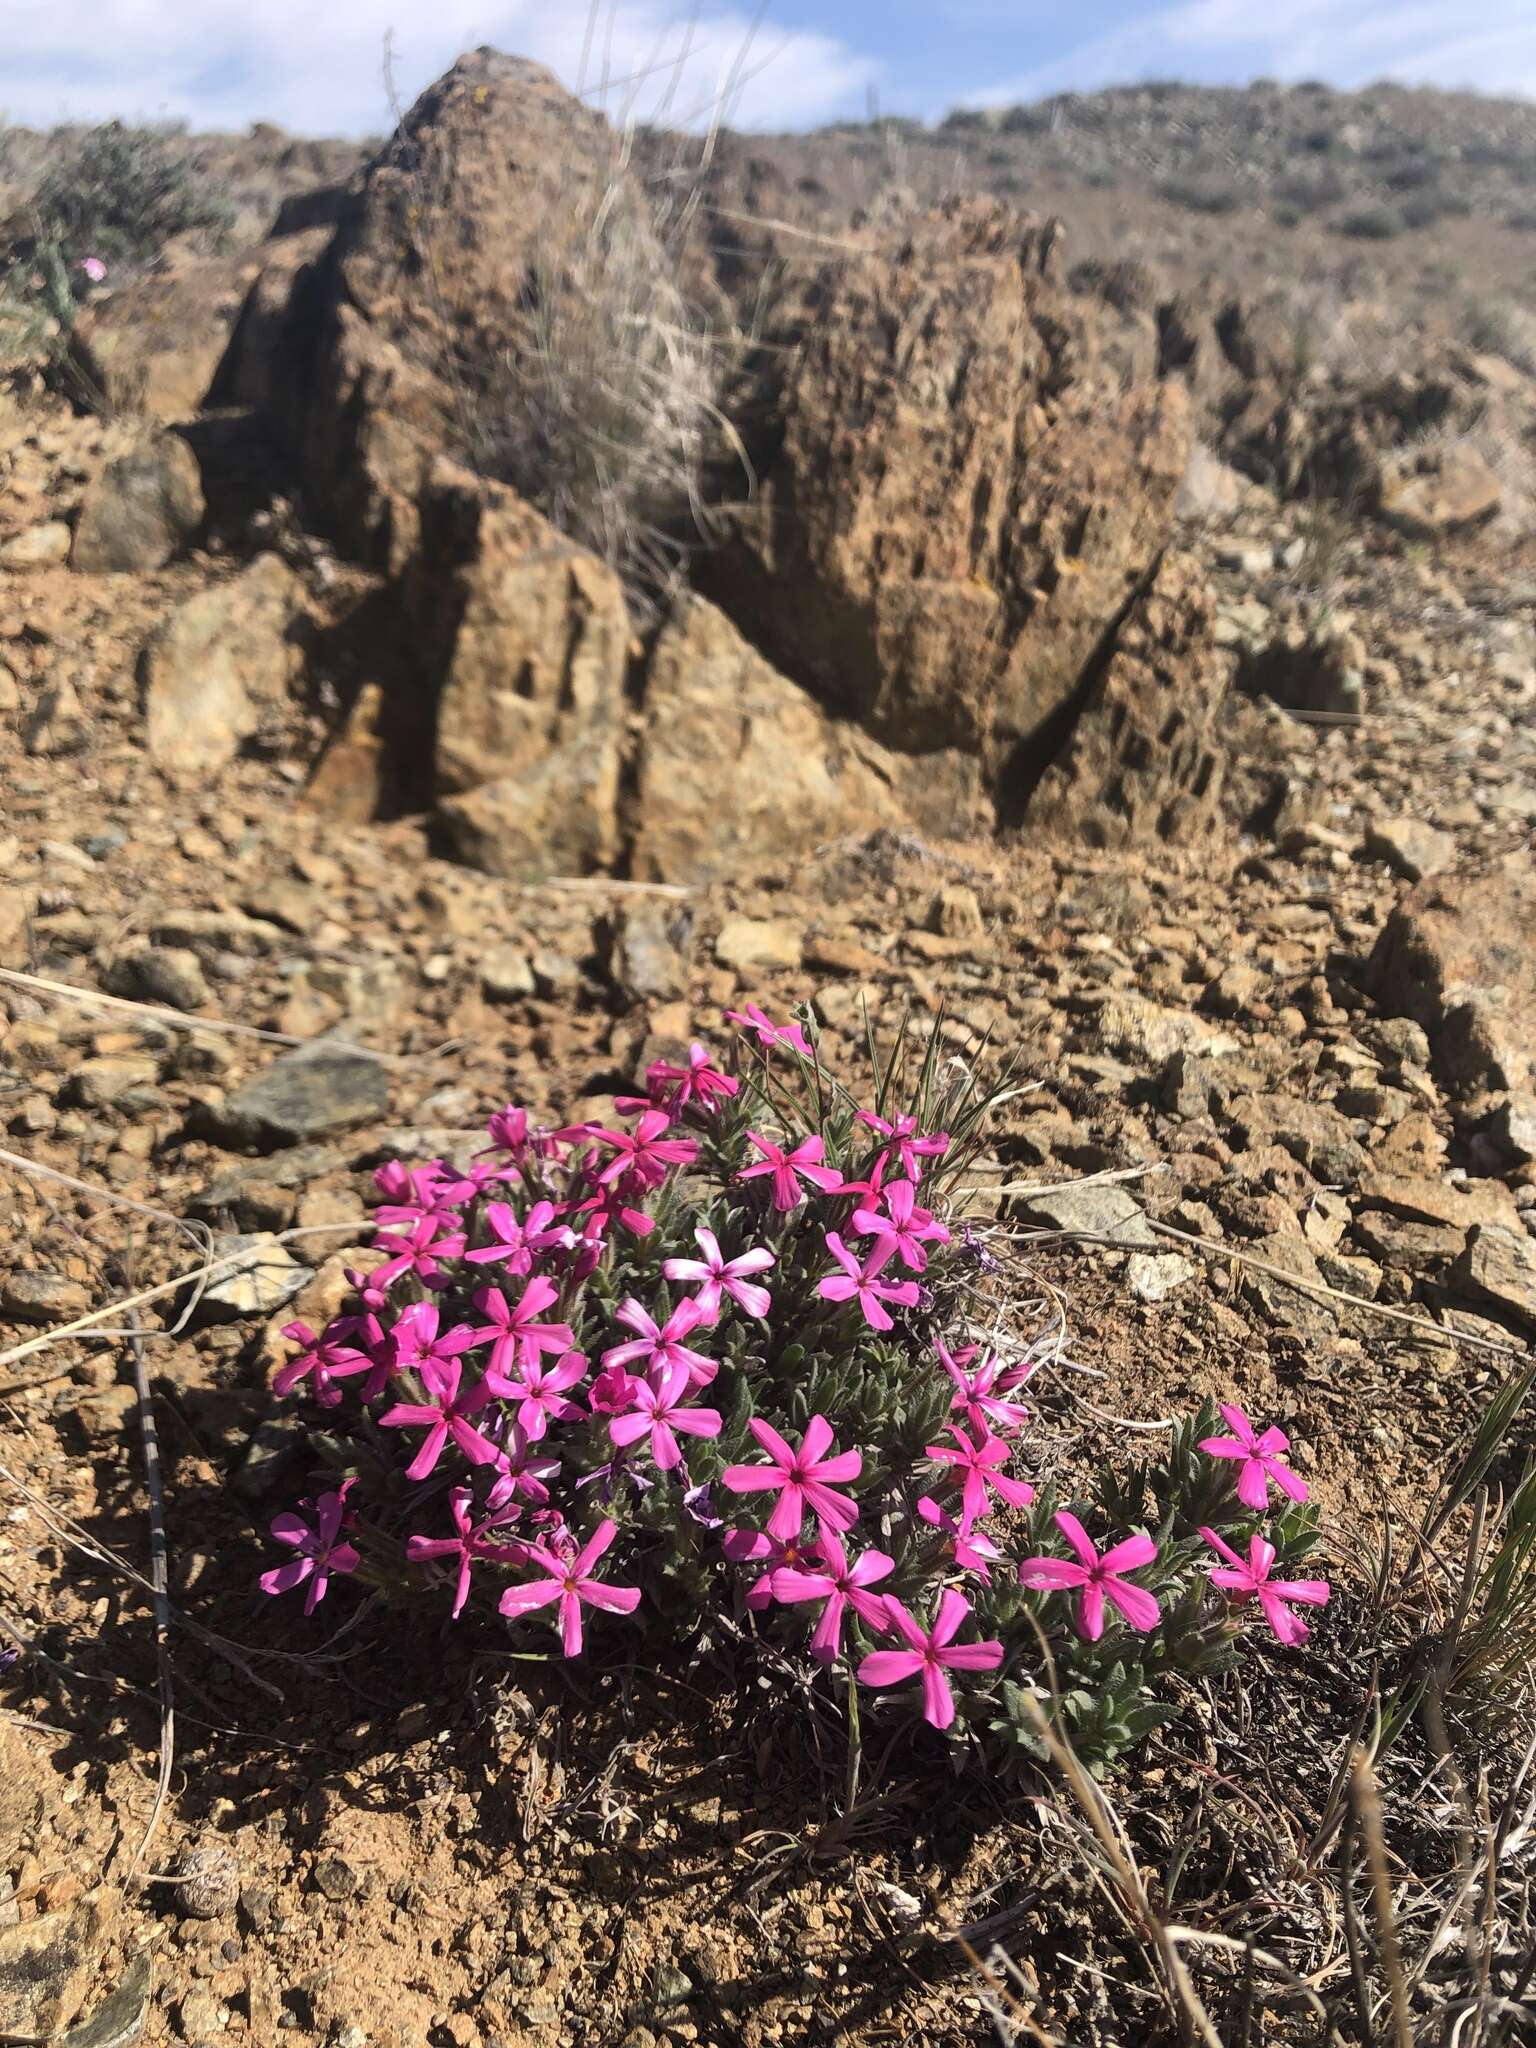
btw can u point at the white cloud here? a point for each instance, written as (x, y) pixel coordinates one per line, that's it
(316, 66)
(1422, 42)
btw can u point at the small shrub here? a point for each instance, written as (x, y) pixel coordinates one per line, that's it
(120, 195)
(1201, 195)
(733, 1372)
(1370, 223)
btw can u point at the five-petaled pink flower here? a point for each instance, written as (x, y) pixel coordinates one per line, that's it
(1251, 1581)
(930, 1655)
(417, 1191)
(828, 1576)
(981, 1390)
(658, 1413)
(646, 1152)
(802, 1479)
(789, 1169)
(540, 1391)
(1259, 1457)
(1099, 1577)
(419, 1250)
(514, 1332)
(718, 1276)
(320, 1550)
(323, 1360)
(658, 1347)
(472, 1540)
(861, 1283)
(901, 1224)
(518, 1240)
(447, 1415)
(568, 1579)
(416, 1341)
(904, 1142)
(768, 1034)
(977, 1466)
(972, 1550)
(695, 1085)
(751, 1546)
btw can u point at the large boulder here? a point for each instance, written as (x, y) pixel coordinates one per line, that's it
(1144, 758)
(144, 506)
(531, 637)
(738, 768)
(222, 662)
(407, 335)
(955, 506)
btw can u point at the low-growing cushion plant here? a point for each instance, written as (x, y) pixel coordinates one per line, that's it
(725, 1366)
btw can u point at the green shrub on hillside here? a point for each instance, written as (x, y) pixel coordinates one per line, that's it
(120, 195)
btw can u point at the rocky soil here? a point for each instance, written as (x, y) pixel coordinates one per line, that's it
(1199, 793)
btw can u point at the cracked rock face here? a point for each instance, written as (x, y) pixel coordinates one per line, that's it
(959, 506)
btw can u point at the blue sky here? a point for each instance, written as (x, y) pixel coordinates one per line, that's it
(314, 65)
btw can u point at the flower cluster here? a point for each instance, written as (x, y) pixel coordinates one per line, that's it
(715, 1370)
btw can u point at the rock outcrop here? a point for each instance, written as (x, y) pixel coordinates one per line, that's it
(406, 335)
(531, 639)
(957, 509)
(1144, 759)
(1458, 956)
(144, 506)
(220, 661)
(738, 768)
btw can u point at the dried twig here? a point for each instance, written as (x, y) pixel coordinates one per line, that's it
(160, 1580)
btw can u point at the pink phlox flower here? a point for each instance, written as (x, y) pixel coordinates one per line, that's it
(418, 1250)
(768, 1034)
(416, 1341)
(901, 1221)
(568, 1580)
(718, 1276)
(694, 1085)
(656, 1348)
(611, 1205)
(1098, 1577)
(646, 1152)
(323, 1360)
(540, 1391)
(514, 1330)
(472, 1540)
(366, 1287)
(509, 1130)
(905, 1143)
(980, 1390)
(519, 1473)
(612, 1391)
(447, 1415)
(977, 1466)
(829, 1577)
(861, 1282)
(751, 1546)
(1260, 1459)
(518, 1241)
(1251, 1581)
(363, 1329)
(803, 1479)
(318, 1545)
(789, 1169)
(483, 1173)
(417, 1191)
(658, 1413)
(972, 1550)
(930, 1655)
(93, 268)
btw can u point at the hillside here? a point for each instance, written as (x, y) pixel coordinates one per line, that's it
(946, 721)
